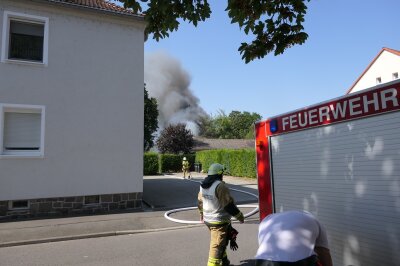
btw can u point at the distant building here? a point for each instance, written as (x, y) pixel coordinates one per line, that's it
(384, 67)
(213, 144)
(71, 107)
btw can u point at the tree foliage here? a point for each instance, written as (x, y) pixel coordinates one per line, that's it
(150, 120)
(275, 25)
(175, 139)
(242, 123)
(236, 125)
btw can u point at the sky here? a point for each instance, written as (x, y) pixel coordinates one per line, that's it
(344, 37)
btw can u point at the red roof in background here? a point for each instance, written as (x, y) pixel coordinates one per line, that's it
(101, 5)
(370, 64)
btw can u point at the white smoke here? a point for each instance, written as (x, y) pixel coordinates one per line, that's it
(169, 83)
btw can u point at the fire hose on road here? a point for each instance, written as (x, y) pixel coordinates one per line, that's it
(254, 211)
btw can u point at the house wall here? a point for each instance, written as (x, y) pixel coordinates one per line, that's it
(384, 67)
(92, 90)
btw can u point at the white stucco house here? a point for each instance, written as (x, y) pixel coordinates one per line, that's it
(71, 107)
(385, 67)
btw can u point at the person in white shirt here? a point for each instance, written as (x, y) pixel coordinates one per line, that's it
(292, 238)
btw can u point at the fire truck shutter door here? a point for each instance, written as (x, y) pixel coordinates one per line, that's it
(348, 175)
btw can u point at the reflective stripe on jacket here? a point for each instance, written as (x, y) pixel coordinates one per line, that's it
(213, 211)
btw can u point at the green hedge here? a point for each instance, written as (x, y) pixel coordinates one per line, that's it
(150, 163)
(173, 162)
(238, 162)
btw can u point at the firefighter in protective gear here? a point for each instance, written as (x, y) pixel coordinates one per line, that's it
(216, 208)
(185, 168)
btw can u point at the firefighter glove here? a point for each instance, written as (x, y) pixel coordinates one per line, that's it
(232, 239)
(240, 217)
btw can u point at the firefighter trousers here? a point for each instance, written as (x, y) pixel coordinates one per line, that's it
(186, 173)
(217, 255)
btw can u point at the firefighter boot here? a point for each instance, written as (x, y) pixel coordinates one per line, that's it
(225, 261)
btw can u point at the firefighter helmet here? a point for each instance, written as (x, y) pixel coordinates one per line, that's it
(216, 169)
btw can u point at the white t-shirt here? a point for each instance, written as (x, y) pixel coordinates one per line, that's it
(290, 236)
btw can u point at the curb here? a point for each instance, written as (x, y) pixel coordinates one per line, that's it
(54, 239)
(94, 235)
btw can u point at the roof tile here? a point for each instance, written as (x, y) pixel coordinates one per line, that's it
(99, 5)
(212, 144)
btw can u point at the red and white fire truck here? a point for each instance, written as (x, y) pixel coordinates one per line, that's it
(339, 160)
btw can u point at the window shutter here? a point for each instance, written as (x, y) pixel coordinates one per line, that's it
(25, 28)
(22, 131)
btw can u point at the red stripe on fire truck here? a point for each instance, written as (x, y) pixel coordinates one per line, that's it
(370, 102)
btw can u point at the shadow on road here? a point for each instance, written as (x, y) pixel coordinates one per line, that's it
(246, 263)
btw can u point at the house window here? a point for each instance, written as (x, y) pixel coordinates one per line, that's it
(378, 80)
(22, 130)
(25, 38)
(18, 205)
(395, 75)
(26, 41)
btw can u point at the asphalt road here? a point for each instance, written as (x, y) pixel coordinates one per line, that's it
(176, 247)
(168, 192)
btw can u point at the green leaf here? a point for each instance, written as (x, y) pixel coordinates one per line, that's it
(275, 24)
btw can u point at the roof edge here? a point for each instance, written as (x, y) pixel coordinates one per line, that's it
(138, 17)
(393, 51)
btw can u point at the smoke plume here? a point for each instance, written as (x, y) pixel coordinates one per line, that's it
(169, 83)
